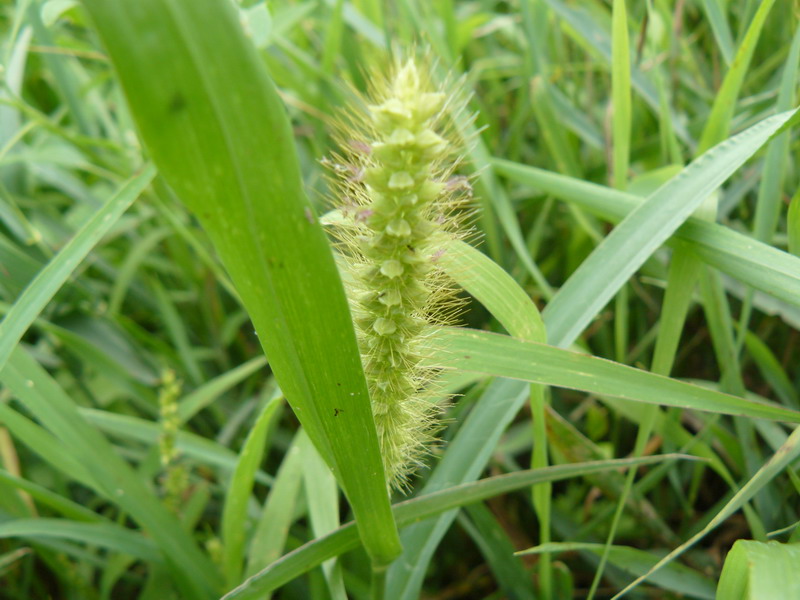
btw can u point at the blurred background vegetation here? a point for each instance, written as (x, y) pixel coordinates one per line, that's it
(149, 338)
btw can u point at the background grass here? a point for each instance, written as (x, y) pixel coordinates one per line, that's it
(110, 288)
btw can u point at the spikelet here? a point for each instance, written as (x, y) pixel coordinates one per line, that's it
(399, 205)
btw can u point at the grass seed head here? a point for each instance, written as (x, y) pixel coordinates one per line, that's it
(400, 204)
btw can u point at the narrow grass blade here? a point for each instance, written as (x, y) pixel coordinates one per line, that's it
(770, 189)
(105, 535)
(345, 538)
(272, 529)
(113, 477)
(793, 225)
(201, 449)
(598, 42)
(645, 229)
(502, 356)
(495, 546)
(43, 496)
(675, 577)
(772, 370)
(234, 511)
(50, 279)
(620, 93)
(216, 128)
(719, 121)
(720, 28)
(772, 177)
(750, 261)
(46, 445)
(322, 499)
(785, 455)
(198, 399)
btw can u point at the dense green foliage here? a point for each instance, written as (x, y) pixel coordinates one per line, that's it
(162, 223)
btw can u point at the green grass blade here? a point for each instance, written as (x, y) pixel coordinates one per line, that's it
(46, 445)
(620, 93)
(345, 538)
(772, 177)
(645, 229)
(234, 512)
(760, 266)
(218, 132)
(203, 450)
(793, 224)
(785, 455)
(104, 535)
(772, 370)
(466, 457)
(497, 549)
(64, 506)
(502, 356)
(114, 478)
(50, 279)
(272, 529)
(469, 451)
(770, 189)
(493, 287)
(720, 28)
(197, 400)
(598, 42)
(719, 121)
(675, 578)
(322, 499)
(684, 270)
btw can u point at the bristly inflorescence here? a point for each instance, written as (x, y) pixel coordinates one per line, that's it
(400, 204)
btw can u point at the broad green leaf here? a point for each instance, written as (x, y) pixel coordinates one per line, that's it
(493, 287)
(50, 279)
(755, 570)
(345, 538)
(503, 356)
(627, 247)
(217, 130)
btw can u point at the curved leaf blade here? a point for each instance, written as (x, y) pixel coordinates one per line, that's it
(216, 128)
(645, 229)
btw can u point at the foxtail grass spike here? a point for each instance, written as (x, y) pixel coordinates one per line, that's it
(400, 204)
